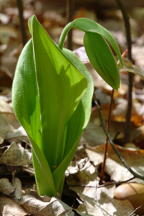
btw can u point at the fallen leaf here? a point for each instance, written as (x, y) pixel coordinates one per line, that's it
(9, 207)
(38, 207)
(16, 155)
(6, 186)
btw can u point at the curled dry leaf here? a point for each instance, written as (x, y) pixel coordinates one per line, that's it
(9, 207)
(6, 186)
(16, 155)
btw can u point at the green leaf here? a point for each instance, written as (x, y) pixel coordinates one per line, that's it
(25, 78)
(101, 57)
(60, 87)
(26, 106)
(88, 25)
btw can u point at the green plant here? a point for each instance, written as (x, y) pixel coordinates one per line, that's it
(52, 93)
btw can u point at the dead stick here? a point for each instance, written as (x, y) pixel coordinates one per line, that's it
(130, 76)
(106, 145)
(133, 213)
(69, 13)
(21, 19)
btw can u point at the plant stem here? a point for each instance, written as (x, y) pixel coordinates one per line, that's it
(107, 139)
(69, 14)
(130, 76)
(21, 19)
(63, 35)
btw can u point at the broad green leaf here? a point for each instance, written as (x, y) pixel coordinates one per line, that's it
(101, 57)
(26, 106)
(60, 87)
(25, 78)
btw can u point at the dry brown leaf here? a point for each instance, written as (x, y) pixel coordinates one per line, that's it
(9, 207)
(6, 186)
(38, 207)
(16, 155)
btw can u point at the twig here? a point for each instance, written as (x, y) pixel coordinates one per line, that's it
(103, 185)
(136, 175)
(69, 13)
(133, 213)
(106, 145)
(130, 76)
(115, 183)
(21, 19)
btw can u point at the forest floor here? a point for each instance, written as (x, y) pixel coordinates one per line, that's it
(83, 193)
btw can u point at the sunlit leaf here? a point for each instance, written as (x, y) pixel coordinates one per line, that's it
(101, 58)
(26, 106)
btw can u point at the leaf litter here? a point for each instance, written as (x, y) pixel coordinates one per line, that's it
(82, 174)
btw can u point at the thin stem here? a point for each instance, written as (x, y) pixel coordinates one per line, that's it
(130, 76)
(133, 213)
(107, 139)
(21, 19)
(127, 132)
